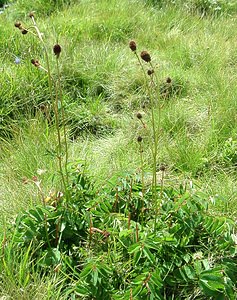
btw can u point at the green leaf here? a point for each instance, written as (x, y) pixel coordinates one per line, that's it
(57, 254)
(208, 223)
(183, 274)
(51, 257)
(156, 279)
(29, 224)
(104, 207)
(81, 291)
(186, 257)
(137, 291)
(149, 255)
(95, 276)
(63, 226)
(86, 271)
(211, 284)
(36, 214)
(206, 264)
(190, 272)
(133, 248)
(104, 270)
(137, 256)
(198, 266)
(140, 279)
(212, 281)
(184, 241)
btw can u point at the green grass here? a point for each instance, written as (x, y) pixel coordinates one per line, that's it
(33, 150)
(103, 85)
(103, 89)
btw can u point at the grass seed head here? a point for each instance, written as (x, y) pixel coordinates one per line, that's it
(145, 56)
(133, 46)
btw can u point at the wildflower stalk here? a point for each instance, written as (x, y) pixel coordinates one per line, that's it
(156, 134)
(63, 121)
(152, 94)
(139, 139)
(142, 169)
(162, 169)
(55, 103)
(155, 138)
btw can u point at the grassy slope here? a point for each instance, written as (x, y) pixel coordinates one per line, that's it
(102, 86)
(103, 91)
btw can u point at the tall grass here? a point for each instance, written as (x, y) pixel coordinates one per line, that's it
(196, 53)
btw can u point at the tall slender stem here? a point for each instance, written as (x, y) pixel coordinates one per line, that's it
(143, 183)
(55, 102)
(155, 132)
(63, 121)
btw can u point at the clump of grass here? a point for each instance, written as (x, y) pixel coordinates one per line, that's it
(30, 151)
(19, 279)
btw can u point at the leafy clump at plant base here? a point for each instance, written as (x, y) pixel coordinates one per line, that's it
(105, 241)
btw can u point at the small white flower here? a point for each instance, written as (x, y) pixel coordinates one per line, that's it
(41, 171)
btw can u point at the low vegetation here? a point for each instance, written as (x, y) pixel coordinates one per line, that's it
(118, 150)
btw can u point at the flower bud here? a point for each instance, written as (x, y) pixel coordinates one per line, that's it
(35, 62)
(24, 31)
(150, 72)
(139, 139)
(139, 116)
(18, 25)
(162, 168)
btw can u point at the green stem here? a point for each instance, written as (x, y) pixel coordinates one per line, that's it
(156, 141)
(54, 102)
(63, 121)
(154, 135)
(143, 184)
(59, 152)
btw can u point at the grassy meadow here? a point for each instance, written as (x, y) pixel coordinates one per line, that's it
(115, 183)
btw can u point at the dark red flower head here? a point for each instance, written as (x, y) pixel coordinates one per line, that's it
(139, 139)
(133, 45)
(145, 56)
(57, 49)
(139, 115)
(24, 31)
(150, 72)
